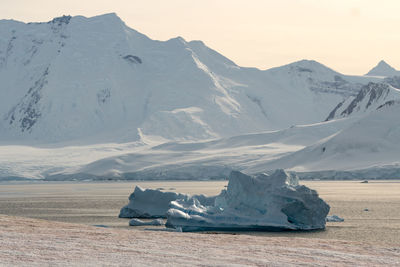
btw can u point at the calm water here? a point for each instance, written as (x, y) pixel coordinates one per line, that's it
(99, 204)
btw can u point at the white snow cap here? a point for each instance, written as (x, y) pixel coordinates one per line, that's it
(383, 69)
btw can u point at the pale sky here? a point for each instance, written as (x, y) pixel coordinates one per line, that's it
(350, 36)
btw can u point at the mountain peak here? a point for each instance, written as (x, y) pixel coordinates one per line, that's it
(307, 66)
(383, 69)
(111, 15)
(61, 20)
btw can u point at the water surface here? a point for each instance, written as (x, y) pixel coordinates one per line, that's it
(371, 210)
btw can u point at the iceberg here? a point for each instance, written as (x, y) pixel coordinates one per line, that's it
(334, 218)
(260, 202)
(137, 222)
(152, 203)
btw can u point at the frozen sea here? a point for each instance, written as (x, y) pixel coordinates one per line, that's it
(371, 210)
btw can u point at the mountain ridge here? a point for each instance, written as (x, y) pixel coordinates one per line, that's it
(76, 78)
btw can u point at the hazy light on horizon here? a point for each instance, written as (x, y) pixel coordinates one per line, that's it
(350, 36)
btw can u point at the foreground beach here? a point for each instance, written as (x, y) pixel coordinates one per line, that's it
(34, 242)
(76, 223)
(371, 210)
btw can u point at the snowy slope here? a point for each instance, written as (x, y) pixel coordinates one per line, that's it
(370, 144)
(371, 97)
(90, 98)
(157, 160)
(383, 70)
(95, 80)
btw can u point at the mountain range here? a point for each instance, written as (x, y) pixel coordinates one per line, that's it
(91, 98)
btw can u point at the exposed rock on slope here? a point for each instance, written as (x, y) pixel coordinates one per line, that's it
(371, 97)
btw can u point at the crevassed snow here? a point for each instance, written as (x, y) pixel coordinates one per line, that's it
(262, 202)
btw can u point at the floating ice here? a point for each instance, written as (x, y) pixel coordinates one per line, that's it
(262, 202)
(150, 203)
(137, 222)
(334, 218)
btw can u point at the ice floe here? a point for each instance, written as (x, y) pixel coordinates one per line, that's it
(334, 218)
(137, 222)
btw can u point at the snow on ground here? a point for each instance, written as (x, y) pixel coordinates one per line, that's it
(37, 162)
(346, 148)
(371, 145)
(152, 158)
(36, 243)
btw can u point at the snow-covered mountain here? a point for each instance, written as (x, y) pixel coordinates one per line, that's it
(371, 97)
(93, 80)
(368, 148)
(90, 98)
(383, 70)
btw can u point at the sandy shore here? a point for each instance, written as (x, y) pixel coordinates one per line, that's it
(33, 242)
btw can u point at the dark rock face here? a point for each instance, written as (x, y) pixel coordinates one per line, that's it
(133, 59)
(333, 112)
(61, 20)
(388, 104)
(27, 111)
(372, 91)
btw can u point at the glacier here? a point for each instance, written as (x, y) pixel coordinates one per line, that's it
(261, 202)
